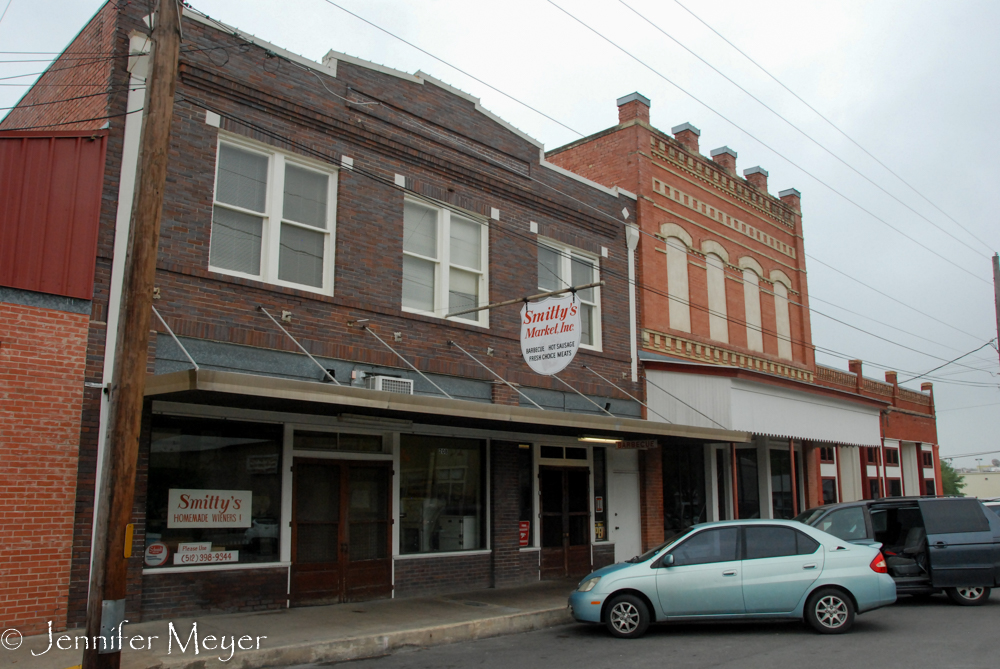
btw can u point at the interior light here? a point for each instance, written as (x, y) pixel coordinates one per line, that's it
(598, 440)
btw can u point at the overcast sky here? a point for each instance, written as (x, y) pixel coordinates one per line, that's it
(913, 83)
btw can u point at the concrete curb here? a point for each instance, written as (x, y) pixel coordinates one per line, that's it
(362, 647)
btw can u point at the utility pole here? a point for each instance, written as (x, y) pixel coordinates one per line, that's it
(996, 293)
(112, 538)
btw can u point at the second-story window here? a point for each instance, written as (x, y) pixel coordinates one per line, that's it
(273, 218)
(444, 262)
(562, 267)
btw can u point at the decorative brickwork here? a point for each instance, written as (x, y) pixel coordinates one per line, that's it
(42, 353)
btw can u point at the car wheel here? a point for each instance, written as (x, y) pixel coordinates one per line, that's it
(830, 611)
(627, 617)
(969, 596)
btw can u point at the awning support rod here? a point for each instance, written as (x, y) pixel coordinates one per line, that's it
(302, 348)
(176, 340)
(571, 289)
(594, 372)
(584, 396)
(424, 376)
(451, 343)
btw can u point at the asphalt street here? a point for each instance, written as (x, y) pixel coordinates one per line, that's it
(912, 634)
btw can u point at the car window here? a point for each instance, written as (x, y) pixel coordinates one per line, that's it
(718, 545)
(808, 517)
(880, 521)
(806, 545)
(995, 508)
(764, 541)
(944, 516)
(847, 524)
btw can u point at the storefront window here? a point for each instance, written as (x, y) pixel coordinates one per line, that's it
(441, 494)
(747, 485)
(684, 499)
(600, 495)
(338, 441)
(214, 492)
(526, 488)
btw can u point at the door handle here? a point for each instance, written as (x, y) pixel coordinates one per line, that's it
(729, 572)
(940, 544)
(811, 565)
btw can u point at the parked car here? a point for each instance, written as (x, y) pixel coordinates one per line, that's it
(993, 505)
(738, 570)
(931, 544)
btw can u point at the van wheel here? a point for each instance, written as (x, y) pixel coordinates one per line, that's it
(627, 617)
(830, 611)
(968, 596)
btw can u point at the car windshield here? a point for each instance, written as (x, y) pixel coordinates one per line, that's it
(653, 551)
(810, 516)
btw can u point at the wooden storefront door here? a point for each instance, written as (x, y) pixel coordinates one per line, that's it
(565, 507)
(340, 531)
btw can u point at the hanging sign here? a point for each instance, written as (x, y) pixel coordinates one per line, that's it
(208, 508)
(550, 333)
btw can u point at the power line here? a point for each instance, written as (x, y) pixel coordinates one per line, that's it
(5, 10)
(765, 145)
(81, 120)
(833, 125)
(974, 406)
(947, 363)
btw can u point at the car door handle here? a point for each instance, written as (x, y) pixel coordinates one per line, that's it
(729, 572)
(811, 565)
(940, 544)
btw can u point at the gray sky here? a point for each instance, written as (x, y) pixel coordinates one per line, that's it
(912, 82)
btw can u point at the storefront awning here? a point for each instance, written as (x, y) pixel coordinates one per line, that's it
(725, 402)
(218, 388)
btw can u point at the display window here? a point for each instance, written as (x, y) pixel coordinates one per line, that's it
(442, 505)
(213, 493)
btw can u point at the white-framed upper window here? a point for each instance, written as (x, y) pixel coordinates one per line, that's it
(273, 217)
(559, 267)
(444, 262)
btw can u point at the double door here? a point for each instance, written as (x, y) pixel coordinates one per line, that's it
(341, 528)
(565, 511)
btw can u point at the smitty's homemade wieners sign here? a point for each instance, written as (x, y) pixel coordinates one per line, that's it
(550, 333)
(208, 508)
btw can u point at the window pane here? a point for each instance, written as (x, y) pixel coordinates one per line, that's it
(583, 273)
(242, 178)
(806, 545)
(419, 230)
(300, 258)
(463, 291)
(466, 246)
(305, 196)
(236, 241)
(208, 464)
(769, 541)
(587, 324)
(548, 269)
(418, 283)
(440, 494)
(709, 546)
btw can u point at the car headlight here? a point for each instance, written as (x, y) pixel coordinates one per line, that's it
(589, 584)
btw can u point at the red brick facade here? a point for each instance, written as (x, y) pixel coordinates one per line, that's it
(42, 354)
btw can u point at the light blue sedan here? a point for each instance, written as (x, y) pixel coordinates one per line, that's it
(739, 570)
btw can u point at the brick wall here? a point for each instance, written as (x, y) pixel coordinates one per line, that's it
(41, 387)
(417, 577)
(510, 566)
(197, 593)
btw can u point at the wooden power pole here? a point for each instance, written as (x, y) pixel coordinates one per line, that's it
(106, 603)
(996, 293)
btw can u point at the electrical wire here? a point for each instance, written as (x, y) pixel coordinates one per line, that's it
(832, 124)
(766, 145)
(799, 130)
(920, 376)
(81, 120)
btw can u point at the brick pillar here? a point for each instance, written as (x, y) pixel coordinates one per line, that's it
(938, 483)
(687, 135)
(504, 513)
(651, 496)
(756, 177)
(503, 394)
(633, 107)
(812, 473)
(855, 367)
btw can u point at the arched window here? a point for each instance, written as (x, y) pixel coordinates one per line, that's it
(716, 258)
(782, 323)
(678, 243)
(752, 272)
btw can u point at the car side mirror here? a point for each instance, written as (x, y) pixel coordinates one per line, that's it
(667, 561)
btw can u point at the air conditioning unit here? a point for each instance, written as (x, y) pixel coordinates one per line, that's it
(389, 384)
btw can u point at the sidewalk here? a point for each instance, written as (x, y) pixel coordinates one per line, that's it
(317, 634)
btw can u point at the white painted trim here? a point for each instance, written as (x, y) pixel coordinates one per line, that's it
(423, 556)
(631, 242)
(218, 567)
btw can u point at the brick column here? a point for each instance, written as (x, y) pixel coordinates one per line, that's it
(504, 512)
(812, 473)
(651, 496)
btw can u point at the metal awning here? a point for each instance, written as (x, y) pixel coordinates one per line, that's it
(232, 389)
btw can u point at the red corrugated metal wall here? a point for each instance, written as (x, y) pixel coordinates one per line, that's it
(50, 206)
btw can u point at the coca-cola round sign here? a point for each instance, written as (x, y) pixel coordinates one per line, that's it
(550, 333)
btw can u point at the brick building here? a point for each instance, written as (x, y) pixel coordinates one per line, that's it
(725, 341)
(347, 209)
